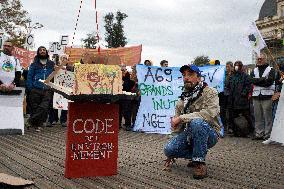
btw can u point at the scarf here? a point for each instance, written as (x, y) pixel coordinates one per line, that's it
(190, 96)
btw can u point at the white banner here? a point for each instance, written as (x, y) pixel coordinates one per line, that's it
(277, 133)
(65, 79)
(160, 89)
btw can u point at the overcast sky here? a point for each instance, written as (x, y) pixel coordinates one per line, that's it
(176, 30)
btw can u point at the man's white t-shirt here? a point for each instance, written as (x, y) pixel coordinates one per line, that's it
(8, 66)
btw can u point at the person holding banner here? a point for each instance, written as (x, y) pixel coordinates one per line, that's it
(278, 88)
(10, 68)
(40, 95)
(196, 121)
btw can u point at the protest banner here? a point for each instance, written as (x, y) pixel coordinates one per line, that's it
(128, 55)
(98, 79)
(92, 140)
(278, 126)
(160, 89)
(65, 79)
(25, 57)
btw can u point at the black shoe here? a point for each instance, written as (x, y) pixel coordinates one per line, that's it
(48, 124)
(64, 124)
(257, 138)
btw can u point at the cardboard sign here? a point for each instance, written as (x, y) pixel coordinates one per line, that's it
(65, 79)
(64, 40)
(29, 42)
(92, 140)
(160, 89)
(98, 79)
(56, 48)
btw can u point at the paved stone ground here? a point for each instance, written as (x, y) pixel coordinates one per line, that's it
(233, 163)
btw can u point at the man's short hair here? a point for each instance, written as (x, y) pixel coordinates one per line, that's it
(8, 41)
(163, 62)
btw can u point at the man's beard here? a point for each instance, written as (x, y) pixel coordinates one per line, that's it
(7, 52)
(42, 56)
(189, 86)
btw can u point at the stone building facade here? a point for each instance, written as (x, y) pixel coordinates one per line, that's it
(271, 25)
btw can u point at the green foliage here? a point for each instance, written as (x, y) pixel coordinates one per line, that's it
(201, 60)
(90, 41)
(14, 21)
(114, 35)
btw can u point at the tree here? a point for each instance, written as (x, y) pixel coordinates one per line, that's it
(114, 35)
(14, 21)
(90, 41)
(201, 60)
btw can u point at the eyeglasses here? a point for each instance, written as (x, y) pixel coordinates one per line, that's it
(7, 45)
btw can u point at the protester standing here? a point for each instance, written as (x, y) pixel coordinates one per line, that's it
(263, 79)
(238, 89)
(40, 95)
(10, 68)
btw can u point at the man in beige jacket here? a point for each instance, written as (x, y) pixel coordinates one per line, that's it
(197, 111)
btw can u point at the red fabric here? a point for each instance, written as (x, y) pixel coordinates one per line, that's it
(26, 57)
(101, 161)
(128, 55)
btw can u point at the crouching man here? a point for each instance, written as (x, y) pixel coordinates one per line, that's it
(196, 122)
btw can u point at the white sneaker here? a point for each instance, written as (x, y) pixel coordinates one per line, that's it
(268, 141)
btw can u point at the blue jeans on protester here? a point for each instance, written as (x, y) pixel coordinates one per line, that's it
(274, 108)
(193, 142)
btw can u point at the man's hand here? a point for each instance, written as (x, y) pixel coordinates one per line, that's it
(276, 96)
(175, 121)
(3, 88)
(10, 87)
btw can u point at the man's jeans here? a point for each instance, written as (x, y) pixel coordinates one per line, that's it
(193, 142)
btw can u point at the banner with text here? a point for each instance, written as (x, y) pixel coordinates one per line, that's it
(160, 89)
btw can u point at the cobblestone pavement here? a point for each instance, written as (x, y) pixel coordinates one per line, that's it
(232, 163)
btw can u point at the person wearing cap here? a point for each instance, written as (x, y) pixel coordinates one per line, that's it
(197, 111)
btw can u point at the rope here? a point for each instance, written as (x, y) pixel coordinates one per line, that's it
(77, 21)
(97, 25)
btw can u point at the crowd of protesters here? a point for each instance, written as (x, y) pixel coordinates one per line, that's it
(251, 100)
(247, 105)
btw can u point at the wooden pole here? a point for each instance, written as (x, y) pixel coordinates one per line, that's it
(273, 59)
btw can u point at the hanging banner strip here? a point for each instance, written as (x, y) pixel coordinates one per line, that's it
(77, 21)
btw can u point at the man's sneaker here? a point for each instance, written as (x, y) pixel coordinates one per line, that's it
(199, 170)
